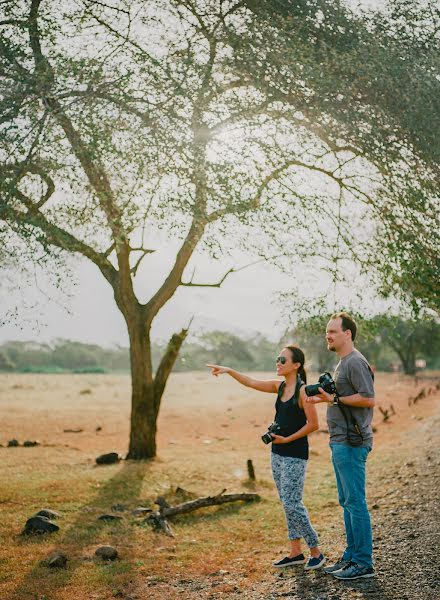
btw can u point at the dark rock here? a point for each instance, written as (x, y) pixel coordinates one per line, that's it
(85, 391)
(108, 459)
(30, 443)
(13, 443)
(47, 513)
(58, 560)
(119, 507)
(109, 518)
(73, 430)
(39, 525)
(375, 506)
(99, 428)
(107, 552)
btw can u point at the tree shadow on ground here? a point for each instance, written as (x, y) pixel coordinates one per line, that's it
(85, 531)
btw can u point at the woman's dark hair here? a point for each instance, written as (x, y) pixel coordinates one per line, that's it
(347, 323)
(298, 356)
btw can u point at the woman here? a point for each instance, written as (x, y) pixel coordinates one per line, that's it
(290, 452)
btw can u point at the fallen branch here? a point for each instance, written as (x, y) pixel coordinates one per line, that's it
(158, 519)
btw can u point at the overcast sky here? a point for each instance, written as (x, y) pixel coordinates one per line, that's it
(246, 302)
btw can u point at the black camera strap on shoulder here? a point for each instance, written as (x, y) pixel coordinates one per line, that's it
(295, 396)
(356, 439)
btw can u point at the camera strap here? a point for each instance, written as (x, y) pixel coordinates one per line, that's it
(350, 437)
(295, 397)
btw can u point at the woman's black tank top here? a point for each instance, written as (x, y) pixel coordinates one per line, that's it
(291, 418)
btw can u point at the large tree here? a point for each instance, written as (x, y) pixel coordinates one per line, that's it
(199, 117)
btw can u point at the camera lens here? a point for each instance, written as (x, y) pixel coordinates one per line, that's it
(267, 438)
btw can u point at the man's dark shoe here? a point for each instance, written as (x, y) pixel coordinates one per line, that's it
(354, 571)
(289, 562)
(339, 564)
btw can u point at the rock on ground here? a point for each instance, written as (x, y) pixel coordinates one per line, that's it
(107, 552)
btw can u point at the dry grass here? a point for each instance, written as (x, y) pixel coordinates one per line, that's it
(207, 430)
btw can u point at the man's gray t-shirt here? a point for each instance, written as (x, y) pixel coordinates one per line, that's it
(352, 376)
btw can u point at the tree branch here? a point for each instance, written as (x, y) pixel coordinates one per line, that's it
(213, 285)
(166, 364)
(20, 170)
(55, 235)
(144, 252)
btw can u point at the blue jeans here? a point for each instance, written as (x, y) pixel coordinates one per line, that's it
(349, 465)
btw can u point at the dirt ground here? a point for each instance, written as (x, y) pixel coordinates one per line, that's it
(208, 428)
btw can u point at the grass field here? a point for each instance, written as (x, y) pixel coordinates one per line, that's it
(208, 428)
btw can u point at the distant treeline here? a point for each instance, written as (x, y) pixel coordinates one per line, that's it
(398, 345)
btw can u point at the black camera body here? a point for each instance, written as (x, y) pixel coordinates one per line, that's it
(273, 428)
(325, 382)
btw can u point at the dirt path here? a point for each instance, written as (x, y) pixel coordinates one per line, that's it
(406, 522)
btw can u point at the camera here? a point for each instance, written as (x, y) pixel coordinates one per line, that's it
(325, 382)
(273, 428)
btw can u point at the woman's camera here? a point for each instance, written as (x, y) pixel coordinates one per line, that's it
(325, 382)
(273, 428)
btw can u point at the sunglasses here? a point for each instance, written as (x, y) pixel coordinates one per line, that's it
(281, 359)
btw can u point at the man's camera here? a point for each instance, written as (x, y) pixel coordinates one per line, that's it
(273, 428)
(325, 382)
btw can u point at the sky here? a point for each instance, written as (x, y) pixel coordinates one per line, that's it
(246, 303)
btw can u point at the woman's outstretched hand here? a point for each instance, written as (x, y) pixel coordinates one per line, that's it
(217, 369)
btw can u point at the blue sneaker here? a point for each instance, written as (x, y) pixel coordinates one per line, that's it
(354, 571)
(339, 564)
(315, 562)
(289, 561)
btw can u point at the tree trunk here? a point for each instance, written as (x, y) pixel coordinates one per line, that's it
(147, 390)
(408, 359)
(143, 402)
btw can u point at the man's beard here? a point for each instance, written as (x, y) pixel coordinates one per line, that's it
(331, 348)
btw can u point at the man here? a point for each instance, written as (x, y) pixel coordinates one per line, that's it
(349, 416)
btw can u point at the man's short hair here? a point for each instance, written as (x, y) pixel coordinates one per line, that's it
(347, 323)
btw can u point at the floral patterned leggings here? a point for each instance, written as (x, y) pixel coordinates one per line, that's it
(289, 474)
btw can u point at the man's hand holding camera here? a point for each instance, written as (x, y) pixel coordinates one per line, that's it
(323, 391)
(323, 396)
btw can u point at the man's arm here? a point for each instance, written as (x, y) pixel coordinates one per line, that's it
(355, 400)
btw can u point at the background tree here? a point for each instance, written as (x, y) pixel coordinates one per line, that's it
(410, 339)
(309, 334)
(196, 117)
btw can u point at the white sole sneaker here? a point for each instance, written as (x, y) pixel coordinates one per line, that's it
(366, 576)
(289, 564)
(318, 566)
